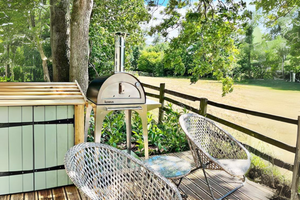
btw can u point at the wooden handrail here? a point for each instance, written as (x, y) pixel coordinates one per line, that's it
(250, 112)
(254, 134)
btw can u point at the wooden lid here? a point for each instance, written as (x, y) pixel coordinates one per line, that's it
(40, 93)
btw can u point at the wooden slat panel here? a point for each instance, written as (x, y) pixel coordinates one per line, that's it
(72, 192)
(4, 181)
(59, 194)
(62, 143)
(45, 195)
(27, 148)
(39, 150)
(42, 102)
(51, 152)
(70, 132)
(15, 150)
(44, 97)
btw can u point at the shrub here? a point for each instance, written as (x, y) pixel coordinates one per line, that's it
(162, 138)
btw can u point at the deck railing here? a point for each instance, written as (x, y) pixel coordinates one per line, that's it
(202, 109)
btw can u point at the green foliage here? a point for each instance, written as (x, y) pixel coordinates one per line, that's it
(162, 138)
(24, 25)
(293, 37)
(261, 56)
(205, 44)
(109, 17)
(268, 174)
(274, 10)
(151, 62)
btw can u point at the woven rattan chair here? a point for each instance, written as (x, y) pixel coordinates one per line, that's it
(104, 172)
(214, 148)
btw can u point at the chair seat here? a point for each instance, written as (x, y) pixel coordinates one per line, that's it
(239, 167)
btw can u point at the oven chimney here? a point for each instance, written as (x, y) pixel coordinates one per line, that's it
(119, 51)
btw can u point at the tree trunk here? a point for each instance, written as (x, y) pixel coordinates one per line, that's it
(44, 61)
(7, 67)
(59, 32)
(39, 45)
(80, 21)
(282, 65)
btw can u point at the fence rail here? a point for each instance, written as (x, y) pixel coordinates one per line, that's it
(203, 111)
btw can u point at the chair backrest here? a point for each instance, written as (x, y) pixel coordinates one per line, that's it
(211, 138)
(104, 172)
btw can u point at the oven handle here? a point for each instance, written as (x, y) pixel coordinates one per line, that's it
(124, 108)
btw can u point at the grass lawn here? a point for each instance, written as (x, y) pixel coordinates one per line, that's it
(273, 97)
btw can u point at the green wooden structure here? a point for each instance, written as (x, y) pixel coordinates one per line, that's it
(39, 122)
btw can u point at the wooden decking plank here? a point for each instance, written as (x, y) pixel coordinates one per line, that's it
(72, 192)
(59, 194)
(82, 195)
(45, 195)
(198, 185)
(29, 196)
(17, 196)
(192, 191)
(5, 197)
(220, 186)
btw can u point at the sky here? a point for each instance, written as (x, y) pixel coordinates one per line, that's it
(158, 18)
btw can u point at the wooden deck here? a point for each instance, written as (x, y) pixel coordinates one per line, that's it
(193, 185)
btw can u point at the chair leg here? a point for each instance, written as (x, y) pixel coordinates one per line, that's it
(203, 169)
(235, 189)
(209, 187)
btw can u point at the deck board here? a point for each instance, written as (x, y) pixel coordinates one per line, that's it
(193, 185)
(29, 195)
(45, 195)
(59, 194)
(72, 193)
(17, 197)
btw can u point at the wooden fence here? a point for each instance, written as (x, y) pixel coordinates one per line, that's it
(202, 109)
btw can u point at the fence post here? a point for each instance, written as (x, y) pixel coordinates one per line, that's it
(295, 180)
(203, 107)
(161, 101)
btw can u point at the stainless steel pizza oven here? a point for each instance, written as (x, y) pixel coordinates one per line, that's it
(120, 88)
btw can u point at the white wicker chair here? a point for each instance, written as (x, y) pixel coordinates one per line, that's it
(214, 148)
(104, 172)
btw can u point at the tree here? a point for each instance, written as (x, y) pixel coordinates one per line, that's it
(275, 10)
(206, 32)
(37, 18)
(151, 61)
(293, 37)
(79, 37)
(60, 47)
(109, 17)
(27, 22)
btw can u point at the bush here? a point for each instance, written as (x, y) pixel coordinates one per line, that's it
(162, 138)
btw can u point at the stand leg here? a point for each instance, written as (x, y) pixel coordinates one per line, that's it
(128, 129)
(98, 125)
(143, 115)
(87, 121)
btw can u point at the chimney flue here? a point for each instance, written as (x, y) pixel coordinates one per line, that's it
(119, 51)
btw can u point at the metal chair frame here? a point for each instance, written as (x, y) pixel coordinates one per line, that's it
(210, 144)
(104, 172)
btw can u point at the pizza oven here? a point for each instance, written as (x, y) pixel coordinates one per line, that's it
(120, 88)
